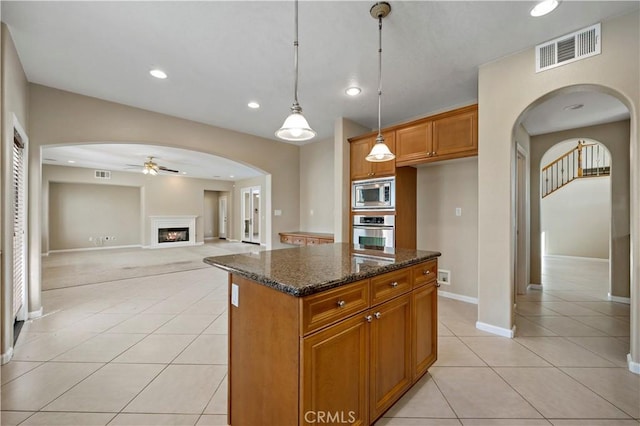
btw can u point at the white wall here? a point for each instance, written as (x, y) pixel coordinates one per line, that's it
(160, 196)
(317, 186)
(575, 219)
(441, 188)
(85, 215)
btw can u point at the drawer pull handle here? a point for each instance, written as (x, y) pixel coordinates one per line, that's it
(394, 284)
(341, 303)
(377, 315)
(426, 272)
(369, 318)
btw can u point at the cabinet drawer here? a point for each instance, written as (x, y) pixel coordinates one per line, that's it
(300, 241)
(330, 306)
(424, 273)
(325, 241)
(390, 285)
(311, 241)
(286, 239)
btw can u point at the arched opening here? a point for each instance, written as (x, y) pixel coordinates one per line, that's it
(576, 218)
(98, 196)
(573, 220)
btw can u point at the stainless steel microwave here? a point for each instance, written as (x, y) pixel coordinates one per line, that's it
(374, 194)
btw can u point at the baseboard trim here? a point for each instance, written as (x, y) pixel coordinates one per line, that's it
(6, 357)
(612, 298)
(534, 287)
(504, 332)
(562, 256)
(200, 243)
(93, 248)
(634, 367)
(35, 314)
(459, 297)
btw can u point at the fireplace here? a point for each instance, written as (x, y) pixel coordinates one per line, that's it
(172, 235)
(172, 231)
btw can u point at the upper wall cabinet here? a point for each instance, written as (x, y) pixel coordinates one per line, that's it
(452, 134)
(359, 149)
(414, 143)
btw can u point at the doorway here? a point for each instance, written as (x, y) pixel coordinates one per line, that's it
(19, 306)
(251, 215)
(521, 275)
(222, 217)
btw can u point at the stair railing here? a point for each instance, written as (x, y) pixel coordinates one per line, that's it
(585, 160)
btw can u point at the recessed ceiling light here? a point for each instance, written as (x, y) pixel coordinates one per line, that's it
(70, 161)
(544, 7)
(353, 91)
(158, 74)
(184, 173)
(230, 176)
(573, 107)
(253, 105)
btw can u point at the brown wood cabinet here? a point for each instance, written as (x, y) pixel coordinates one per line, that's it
(299, 238)
(359, 348)
(452, 134)
(414, 143)
(336, 355)
(390, 351)
(360, 147)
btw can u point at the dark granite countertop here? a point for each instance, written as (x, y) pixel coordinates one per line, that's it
(306, 270)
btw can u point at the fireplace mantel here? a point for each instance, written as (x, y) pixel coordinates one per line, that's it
(184, 221)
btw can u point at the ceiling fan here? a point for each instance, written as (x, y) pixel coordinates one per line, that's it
(150, 167)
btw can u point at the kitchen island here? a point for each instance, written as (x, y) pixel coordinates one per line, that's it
(327, 334)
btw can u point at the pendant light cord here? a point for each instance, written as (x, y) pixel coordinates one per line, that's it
(379, 74)
(295, 59)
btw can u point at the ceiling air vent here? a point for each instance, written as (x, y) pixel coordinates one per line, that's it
(103, 174)
(568, 48)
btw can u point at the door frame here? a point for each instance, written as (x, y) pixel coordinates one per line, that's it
(223, 203)
(253, 238)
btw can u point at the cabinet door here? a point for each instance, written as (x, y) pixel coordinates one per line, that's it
(456, 135)
(413, 143)
(363, 169)
(334, 374)
(358, 150)
(385, 168)
(390, 371)
(425, 328)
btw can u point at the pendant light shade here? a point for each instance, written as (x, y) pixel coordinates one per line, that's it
(380, 151)
(295, 127)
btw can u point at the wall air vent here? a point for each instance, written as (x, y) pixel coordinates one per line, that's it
(568, 48)
(103, 174)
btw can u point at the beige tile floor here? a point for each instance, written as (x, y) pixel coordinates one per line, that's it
(151, 350)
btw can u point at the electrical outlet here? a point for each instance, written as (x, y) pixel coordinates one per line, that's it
(458, 211)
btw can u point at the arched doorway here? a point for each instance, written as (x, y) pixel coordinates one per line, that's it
(614, 135)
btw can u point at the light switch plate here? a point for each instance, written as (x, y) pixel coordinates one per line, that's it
(235, 295)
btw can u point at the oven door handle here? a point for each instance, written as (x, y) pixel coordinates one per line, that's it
(374, 228)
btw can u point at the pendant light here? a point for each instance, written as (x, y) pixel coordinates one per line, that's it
(295, 127)
(380, 151)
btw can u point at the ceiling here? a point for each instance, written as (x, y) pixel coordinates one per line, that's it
(219, 55)
(131, 157)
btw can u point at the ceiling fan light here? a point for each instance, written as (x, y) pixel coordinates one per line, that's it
(145, 171)
(295, 128)
(380, 152)
(153, 171)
